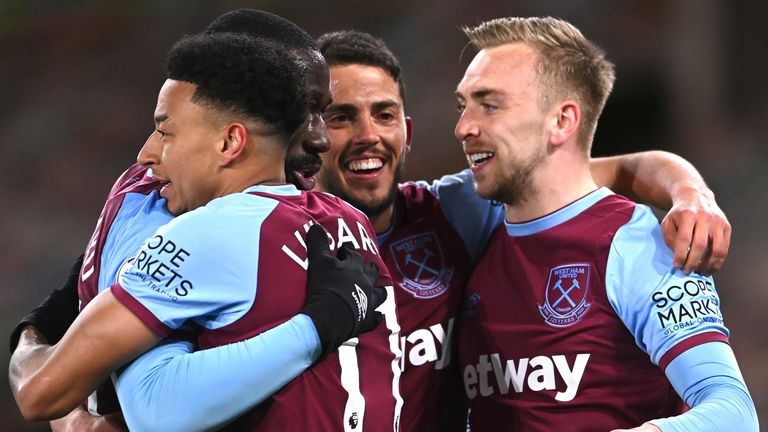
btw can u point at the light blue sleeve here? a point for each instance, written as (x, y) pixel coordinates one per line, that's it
(202, 266)
(678, 316)
(708, 379)
(473, 217)
(171, 388)
(661, 306)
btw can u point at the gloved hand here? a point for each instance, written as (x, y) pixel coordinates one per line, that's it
(56, 313)
(341, 291)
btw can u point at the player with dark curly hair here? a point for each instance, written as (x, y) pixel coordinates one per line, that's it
(194, 272)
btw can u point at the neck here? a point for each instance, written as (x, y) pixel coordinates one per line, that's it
(238, 178)
(555, 185)
(382, 221)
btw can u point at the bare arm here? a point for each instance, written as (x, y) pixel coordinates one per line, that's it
(695, 227)
(53, 380)
(80, 420)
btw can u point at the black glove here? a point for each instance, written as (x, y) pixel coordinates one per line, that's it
(56, 313)
(341, 292)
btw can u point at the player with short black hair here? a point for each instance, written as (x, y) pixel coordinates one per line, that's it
(262, 84)
(349, 47)
(185, 125)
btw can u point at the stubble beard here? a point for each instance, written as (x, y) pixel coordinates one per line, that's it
(333, 184)
(516, 187)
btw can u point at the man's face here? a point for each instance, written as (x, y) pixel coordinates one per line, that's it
(370, 137)
(182, 149)
(311, 138)
(501, 125)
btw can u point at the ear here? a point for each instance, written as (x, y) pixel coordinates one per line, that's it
(408, 133)
(235, 140)
(565, 124)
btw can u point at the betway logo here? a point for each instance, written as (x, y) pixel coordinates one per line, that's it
(537, 373)
(421, 346)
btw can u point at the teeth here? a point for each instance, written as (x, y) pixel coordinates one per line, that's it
(477, 157)
(365, 164)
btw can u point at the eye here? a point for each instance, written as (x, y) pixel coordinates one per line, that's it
(386, 116)
(460, 107)
(162, 133)
(488, 107)
(336, 118)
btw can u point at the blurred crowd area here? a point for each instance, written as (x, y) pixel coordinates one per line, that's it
(79, 81)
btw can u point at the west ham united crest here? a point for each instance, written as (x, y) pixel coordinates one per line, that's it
(565, 301)
(419, 259)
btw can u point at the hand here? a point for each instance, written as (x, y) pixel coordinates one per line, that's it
(341, 292)
(56, 313)
(80, 420)
(698, 232)
(645, 427)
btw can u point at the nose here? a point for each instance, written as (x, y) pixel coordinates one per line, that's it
(149, 154)
(366, 133)
(316, 140)
(466, 128)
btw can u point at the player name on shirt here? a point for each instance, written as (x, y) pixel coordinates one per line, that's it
(343, 234)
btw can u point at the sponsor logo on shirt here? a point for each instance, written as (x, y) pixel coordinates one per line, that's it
(159, 264)
(419, 259)
(565, 299)
(685, 304)
(491, 375)
(432, 344)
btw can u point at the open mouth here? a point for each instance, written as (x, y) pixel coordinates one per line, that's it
(301, 173)
(164, 183)
(368, 166)
(477, 160)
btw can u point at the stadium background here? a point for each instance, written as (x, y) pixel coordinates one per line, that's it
(79, 80)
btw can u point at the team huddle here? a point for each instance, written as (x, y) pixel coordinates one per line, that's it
(264, 253)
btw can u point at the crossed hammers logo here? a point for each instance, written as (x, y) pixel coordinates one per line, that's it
(564, 293)
(422, 264)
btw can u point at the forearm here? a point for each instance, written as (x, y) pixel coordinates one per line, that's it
(724, 407)
(708, 379)
(31, 352)
(657, 178)
(80, 420)
(233, 378)
(53, 380)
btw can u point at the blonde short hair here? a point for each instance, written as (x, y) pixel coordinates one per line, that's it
(569, 65)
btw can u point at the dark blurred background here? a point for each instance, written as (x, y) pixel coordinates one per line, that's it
(79, 80)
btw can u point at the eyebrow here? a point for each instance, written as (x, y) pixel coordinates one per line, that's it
(351, 107)
(160, 118)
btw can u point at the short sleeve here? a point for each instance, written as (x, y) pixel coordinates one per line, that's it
(666, 310)
(202, 266)
(473, 217)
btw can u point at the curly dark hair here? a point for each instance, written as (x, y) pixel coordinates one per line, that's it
(355, 47)
(243, 76)
(265, 25)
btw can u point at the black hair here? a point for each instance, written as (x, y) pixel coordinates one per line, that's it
(265, 25)
(243, 76)
(354, 47)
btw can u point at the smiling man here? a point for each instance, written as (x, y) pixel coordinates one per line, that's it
(430, 235)
(575, 319)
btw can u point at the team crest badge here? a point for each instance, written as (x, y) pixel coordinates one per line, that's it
(419, 259)
(565, 300)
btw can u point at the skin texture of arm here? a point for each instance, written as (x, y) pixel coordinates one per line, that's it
(80, 420)
(52, 380)
(695, 228)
